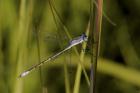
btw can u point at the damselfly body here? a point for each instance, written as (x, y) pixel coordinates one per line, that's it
(72, 43)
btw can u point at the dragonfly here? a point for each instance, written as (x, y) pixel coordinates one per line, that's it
(72, 43)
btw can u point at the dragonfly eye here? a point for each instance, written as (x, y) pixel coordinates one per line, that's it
(85, 38)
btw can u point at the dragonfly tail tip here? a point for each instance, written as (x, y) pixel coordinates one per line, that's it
(23, 74)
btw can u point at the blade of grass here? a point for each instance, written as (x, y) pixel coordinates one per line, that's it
(39, 60)
(21, 45)
(80, 67)
(92, 10)
(95, 29)
(67, 81)
(8, 23)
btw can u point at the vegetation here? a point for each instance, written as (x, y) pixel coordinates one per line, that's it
(33, 30)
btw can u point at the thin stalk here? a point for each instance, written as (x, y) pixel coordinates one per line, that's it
(95, 29)
(20, 44)
(67, 80)
(81, 66)
(39, 60)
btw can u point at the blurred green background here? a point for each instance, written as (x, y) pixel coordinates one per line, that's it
(28, 34)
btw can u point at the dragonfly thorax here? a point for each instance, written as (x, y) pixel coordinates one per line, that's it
(85, 38)
(78, 40)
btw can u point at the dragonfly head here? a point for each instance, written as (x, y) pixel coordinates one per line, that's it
(85, 38)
